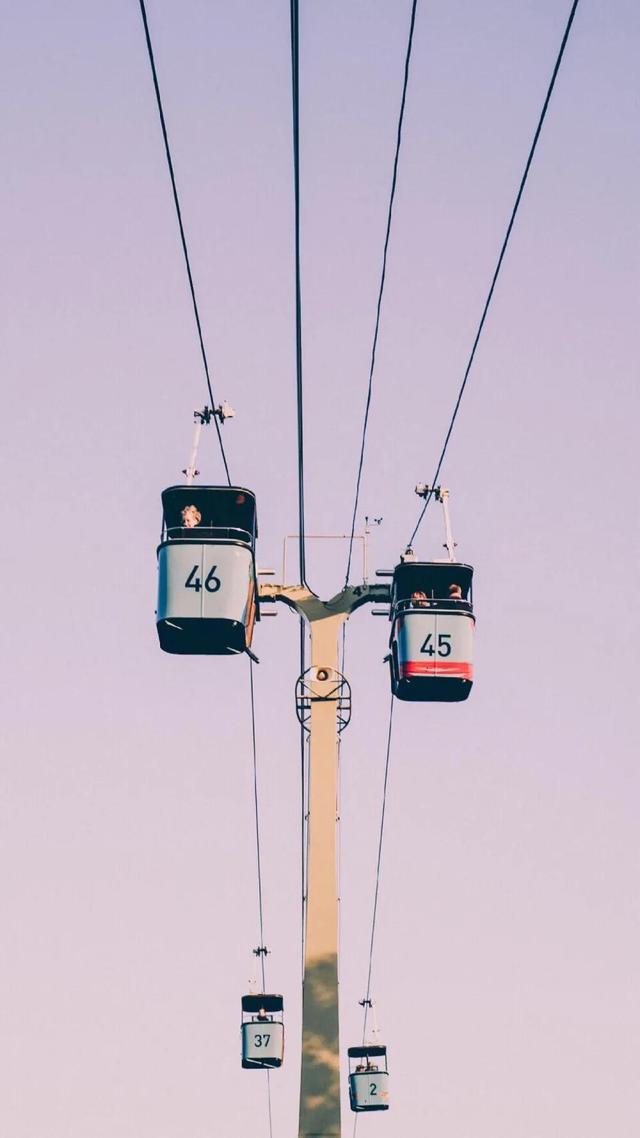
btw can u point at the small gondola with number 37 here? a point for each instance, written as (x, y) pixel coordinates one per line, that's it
(262, 1032)
(206, 570)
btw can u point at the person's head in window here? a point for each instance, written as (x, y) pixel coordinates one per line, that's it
(419, 598)
(191, 517)
(455, 593)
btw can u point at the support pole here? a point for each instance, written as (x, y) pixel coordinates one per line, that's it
(320, 1075)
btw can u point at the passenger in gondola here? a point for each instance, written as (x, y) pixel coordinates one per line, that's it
(191, 517)
(432, 623)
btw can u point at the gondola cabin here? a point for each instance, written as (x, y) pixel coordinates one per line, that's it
(432, 625)
(368, 1078)
(262, 1032)
(207, 590)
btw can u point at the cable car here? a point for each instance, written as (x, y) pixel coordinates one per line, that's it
(368, 1078)
(207, 587)
(432, 626)
(262, 1031)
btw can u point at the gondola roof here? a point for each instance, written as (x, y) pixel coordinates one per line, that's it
(220, 506)
(267, 1003)
(410, 576)
(374, 1049)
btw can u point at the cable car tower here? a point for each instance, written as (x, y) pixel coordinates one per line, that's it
(323, 704)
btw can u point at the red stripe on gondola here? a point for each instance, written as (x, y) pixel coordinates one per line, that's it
(452, 669)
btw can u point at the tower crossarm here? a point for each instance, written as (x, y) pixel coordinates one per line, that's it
(303, 601)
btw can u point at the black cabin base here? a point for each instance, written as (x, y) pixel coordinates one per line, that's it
(197, 637)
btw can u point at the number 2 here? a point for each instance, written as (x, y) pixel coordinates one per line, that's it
(373, 1089)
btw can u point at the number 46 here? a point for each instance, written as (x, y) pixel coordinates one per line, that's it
(212, 583)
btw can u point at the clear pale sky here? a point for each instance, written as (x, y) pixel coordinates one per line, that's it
(506, 966)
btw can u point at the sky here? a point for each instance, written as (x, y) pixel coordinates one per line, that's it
(506, 958)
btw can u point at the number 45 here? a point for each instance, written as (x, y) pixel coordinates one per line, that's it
(444, 645)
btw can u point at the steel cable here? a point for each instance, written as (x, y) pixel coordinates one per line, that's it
(261, 950)
(374, 917)
(378, 866)
(295, 116)
(183, 239)
(295, 106)
(498, 267)
(381, 286)
(257, 820)
(269, 1103)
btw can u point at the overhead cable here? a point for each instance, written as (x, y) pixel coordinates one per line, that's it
(367, 1002)
(295, 113)
(381, 285)
(295, 106)
(183, 239)
(498, 267)
(261, 950)
(367, 999)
